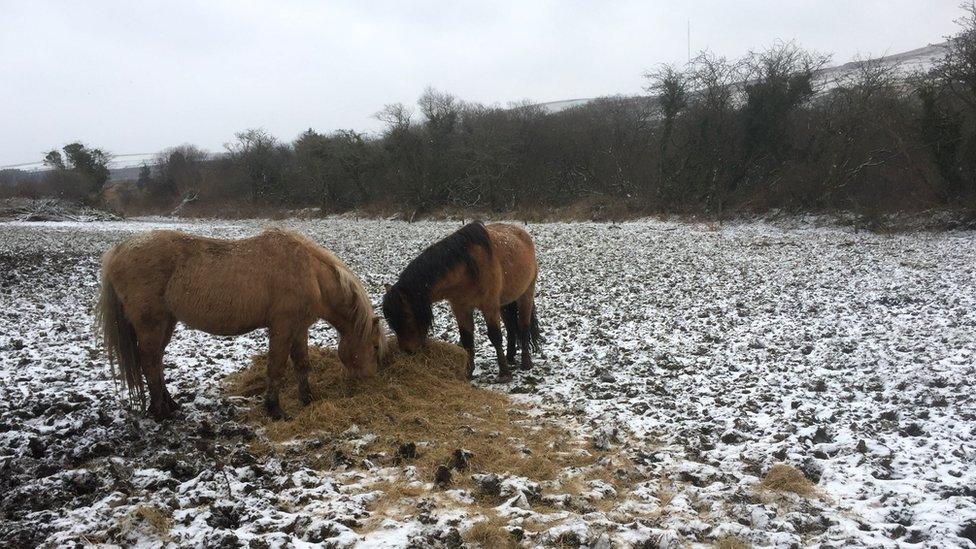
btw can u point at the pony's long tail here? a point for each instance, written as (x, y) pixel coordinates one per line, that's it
(119, 338)
(535, 334)
(511, 314)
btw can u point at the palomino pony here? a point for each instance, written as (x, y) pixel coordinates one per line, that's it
(278, 279)
(491, 268)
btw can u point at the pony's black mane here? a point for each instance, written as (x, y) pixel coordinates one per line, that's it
(426, 269)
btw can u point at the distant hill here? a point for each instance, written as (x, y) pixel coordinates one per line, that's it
(121, 166)
(908, 62)
(917, 60)
(12, 176)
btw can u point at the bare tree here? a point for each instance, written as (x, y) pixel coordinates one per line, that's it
(957, 68)
(670, 86)
(396, 116)
(263, 160)
(179, 171)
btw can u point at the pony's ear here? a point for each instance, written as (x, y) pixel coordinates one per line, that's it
(387, 287)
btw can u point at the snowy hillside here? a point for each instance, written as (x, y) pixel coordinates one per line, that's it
(916, 60)
(912, 61)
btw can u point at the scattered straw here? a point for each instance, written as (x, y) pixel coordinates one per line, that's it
(731, 542)
(665, 494)
(156, 518)
(395, 502)
(490, 532)
(422, 398)
(786, 478)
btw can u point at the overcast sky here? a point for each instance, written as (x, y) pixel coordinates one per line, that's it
(134, 77)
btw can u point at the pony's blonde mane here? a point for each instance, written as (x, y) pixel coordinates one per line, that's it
(352, 287)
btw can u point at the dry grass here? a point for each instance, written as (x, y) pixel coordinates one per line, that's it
(665, 494)
(786, 478)
(394, 503)
(158, 520)
(419, 398)
(398, 490)
(490, 533)
(731, 542)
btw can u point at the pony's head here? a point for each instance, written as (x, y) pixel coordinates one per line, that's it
(363, 351)
(409, 316)
(362, 340)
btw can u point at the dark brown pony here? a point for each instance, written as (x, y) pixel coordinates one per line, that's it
(277, 280)
(491, 268)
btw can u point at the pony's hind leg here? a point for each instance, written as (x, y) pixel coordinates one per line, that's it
(152, 337)
(493, 320)
(510, 318)
(465, 320)
(299, 361)
(279, 346)
(169, 335)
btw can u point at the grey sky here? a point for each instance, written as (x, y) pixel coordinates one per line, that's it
(139, 77)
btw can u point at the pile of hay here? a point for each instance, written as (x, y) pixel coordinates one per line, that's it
(423, 399)
(786, 478)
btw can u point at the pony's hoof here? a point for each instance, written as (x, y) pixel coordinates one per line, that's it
(163, 414)
(525, 366)
(166, 410)
(505, 377)
(306, 397)
(279, 416)
(171, 405)
(276, 413)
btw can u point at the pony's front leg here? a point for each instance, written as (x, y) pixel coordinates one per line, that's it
(465, 320)
(278, 348)
(299, 361)
(493, 320)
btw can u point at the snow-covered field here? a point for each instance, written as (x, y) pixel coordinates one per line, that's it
(713, 353)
